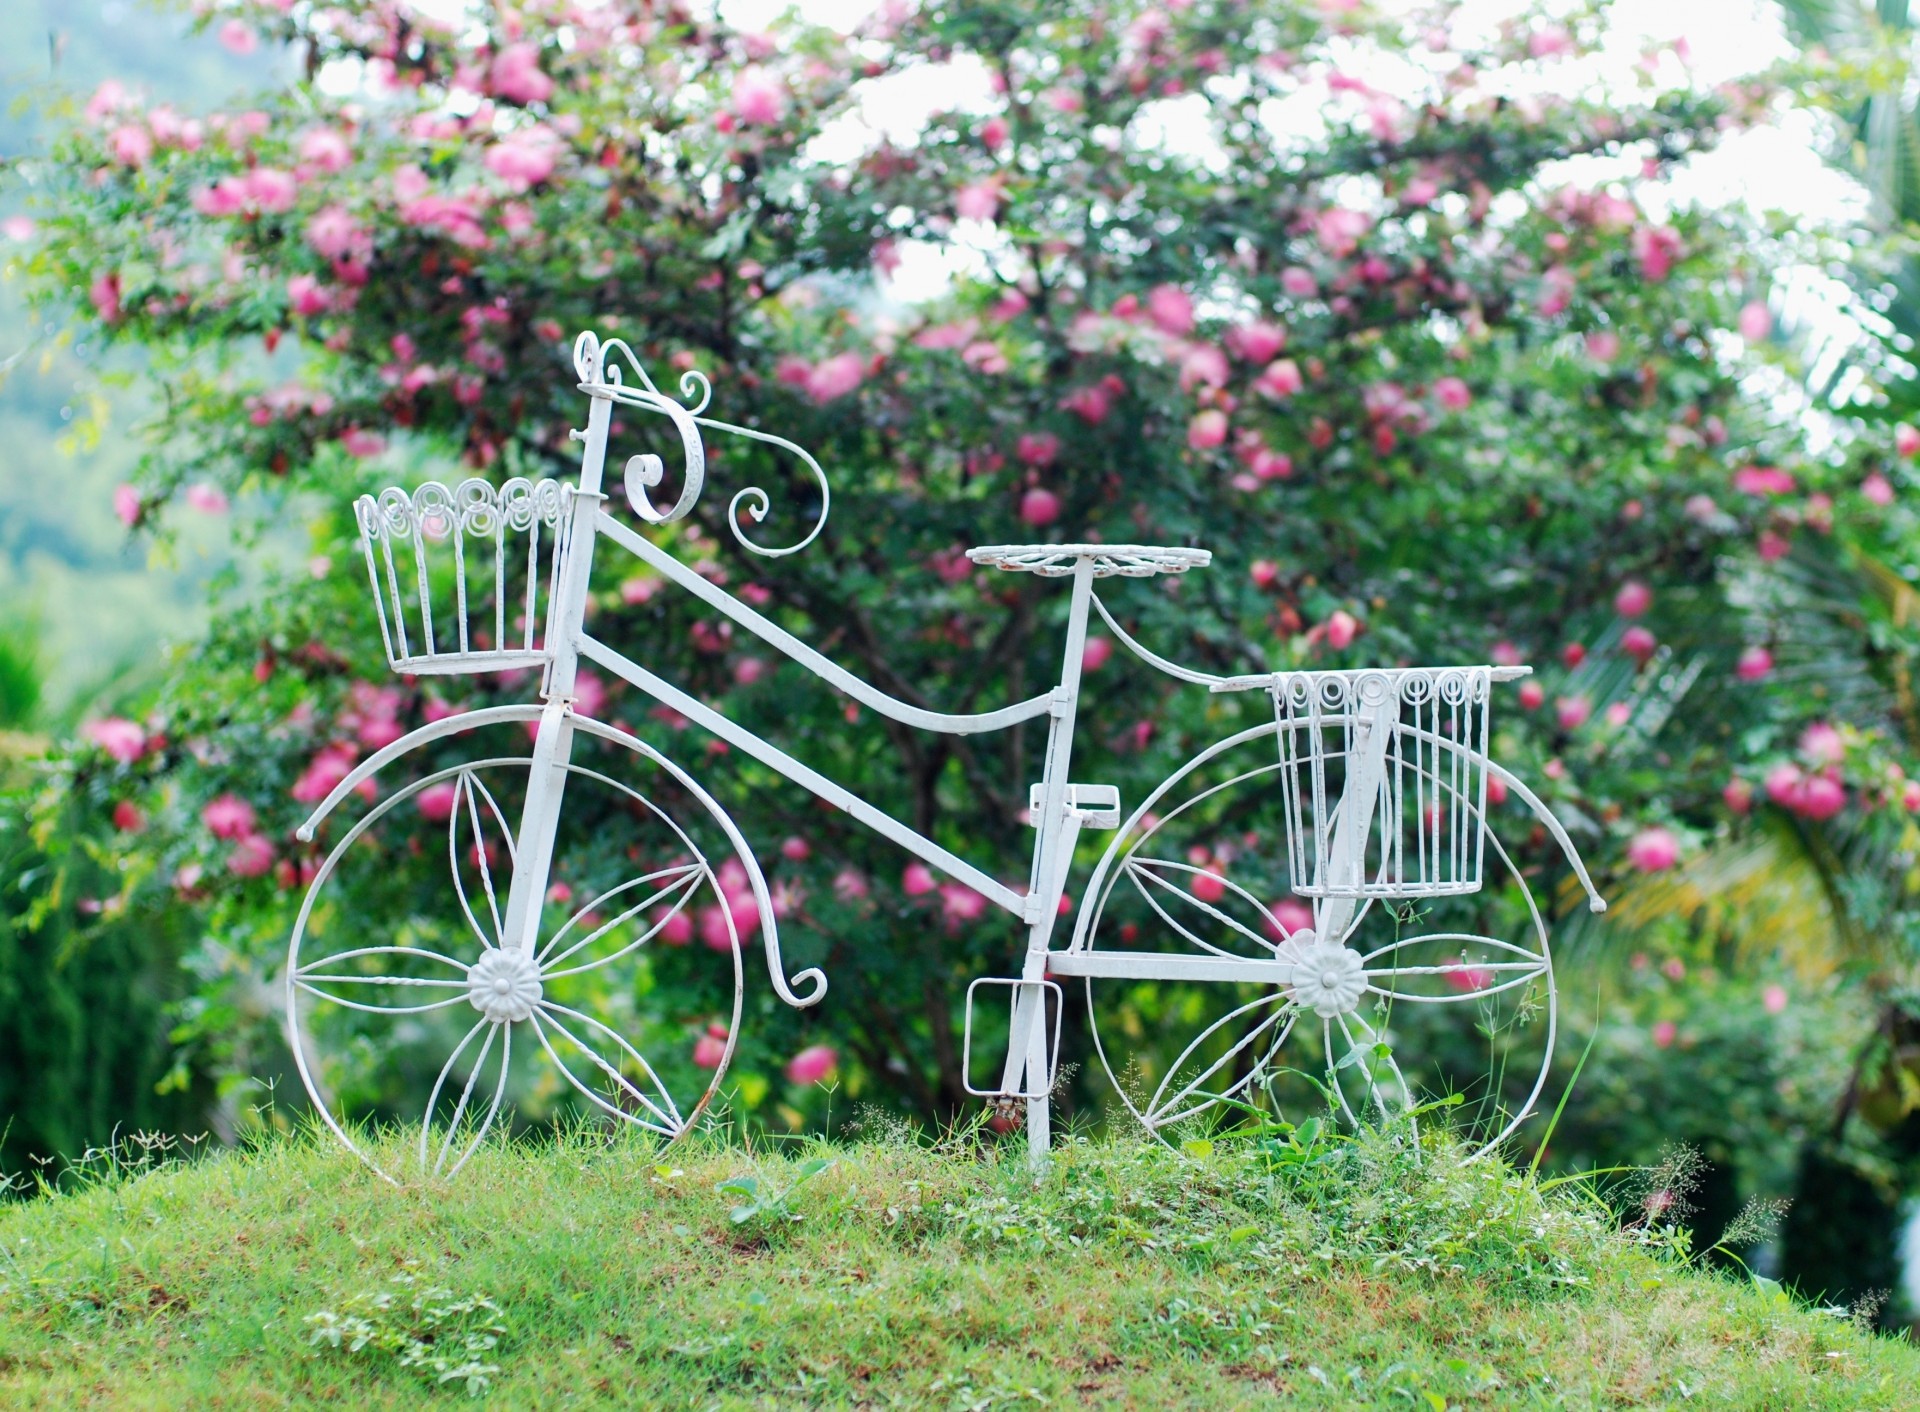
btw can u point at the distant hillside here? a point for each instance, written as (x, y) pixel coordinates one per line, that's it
(65, 561)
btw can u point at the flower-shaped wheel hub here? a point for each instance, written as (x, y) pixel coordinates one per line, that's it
(504, 984)
(1328, 978)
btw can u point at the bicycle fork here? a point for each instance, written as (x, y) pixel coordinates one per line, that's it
(553, 739)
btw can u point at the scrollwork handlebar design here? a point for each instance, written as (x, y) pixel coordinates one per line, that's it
(601, 376)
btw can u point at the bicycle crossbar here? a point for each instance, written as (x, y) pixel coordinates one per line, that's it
(1161, 966)
(805, 776)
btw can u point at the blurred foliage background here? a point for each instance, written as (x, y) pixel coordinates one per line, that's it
(1414, 332)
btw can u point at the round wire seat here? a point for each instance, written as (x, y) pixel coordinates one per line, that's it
(1057, 561)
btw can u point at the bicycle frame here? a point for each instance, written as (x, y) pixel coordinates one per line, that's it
(1404, 818)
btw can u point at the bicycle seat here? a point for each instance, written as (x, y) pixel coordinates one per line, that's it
(1056, 561)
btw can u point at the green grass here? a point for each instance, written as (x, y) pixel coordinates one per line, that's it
(584, 1272)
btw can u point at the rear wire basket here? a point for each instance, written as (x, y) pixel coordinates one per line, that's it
(1384, 779)
(462, 576)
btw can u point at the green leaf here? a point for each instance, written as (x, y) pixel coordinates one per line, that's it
(1197, 1147)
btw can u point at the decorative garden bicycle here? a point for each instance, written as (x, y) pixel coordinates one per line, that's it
(1194, 920)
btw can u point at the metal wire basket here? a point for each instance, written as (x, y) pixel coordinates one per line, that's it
(1385, 781)
(462, 575)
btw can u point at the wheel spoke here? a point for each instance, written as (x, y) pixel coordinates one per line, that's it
(1137, 869)
(687, 879)
(464, 794)
(312, 977)
(460, 1108)
(493, 1109)
(1283, 1011)
(670, 1115)
(433, 1099)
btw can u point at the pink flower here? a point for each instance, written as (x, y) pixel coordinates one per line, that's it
(252, 857)
(306, 297)
(710, 1051)
(1821, 797)
(1877, 490)
(1339, 230)
(1910, 796)
(1756, 320)
(127, 817)
(1532, 696)
(835, 378)
(1556, 291)
(436, 801)
(1755, 664)
(1039, 507)
(517, 77)
(1256, 342)
(130, 146)
(1821, 744)
(1906, 441)
(239, 37)
(1280, 379)
(1207, 429)
(1468, 979)
(119, 737)
(126, 505)
(18, 229)
(1638, 644)
(525, 157)
(1090, 403)
(1656, 248)
(1171, 309)
(812, 1064)
(1549, 42)
(1096, 653)
(1453, 394)
(1774, 999)
(978, 201)
(359, 442)
(270, 189)
(1342, 628)
(1573, 711)
(1738, 795)
(1204, 364)
(1292, 915)
(104, 294)
(1633, 599)
(1299, 282)
(716, 933)
(960, 904)
(1270, 465)
(1265, 573)
(1664, 1034)
(326, 148)
(994, 133)
(228, 816)
(1063, 99)
(917, 880)
(849, 885)
(1603, 346)
(1653, 850)
(333, 233)
(332, 765)
(207, 499)
(759, 97)
(1037, 449)
(675, 929)
(1762, 480)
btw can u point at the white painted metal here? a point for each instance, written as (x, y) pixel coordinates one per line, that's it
(1039, 1083)
(1383, 774)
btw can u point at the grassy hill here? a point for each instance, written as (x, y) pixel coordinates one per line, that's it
(1317, 1273)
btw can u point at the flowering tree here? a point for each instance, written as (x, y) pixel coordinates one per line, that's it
(1402, 327)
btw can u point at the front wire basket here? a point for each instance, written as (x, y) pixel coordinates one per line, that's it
(483, 553)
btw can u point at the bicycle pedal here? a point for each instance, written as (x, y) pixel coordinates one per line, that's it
(1098, 805)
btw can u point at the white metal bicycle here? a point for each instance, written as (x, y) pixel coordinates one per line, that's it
(1381, 796)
